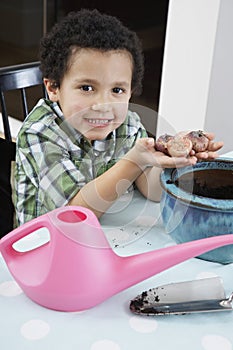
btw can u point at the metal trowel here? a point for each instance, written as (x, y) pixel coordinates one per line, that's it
(203, 295)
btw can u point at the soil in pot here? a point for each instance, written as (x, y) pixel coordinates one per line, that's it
(210, 183)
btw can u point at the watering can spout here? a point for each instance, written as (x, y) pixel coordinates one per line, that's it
(145, 265)
(77, 269)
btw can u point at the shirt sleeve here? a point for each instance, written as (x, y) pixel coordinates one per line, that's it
(46, 177)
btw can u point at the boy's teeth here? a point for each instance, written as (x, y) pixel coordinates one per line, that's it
(98, 121)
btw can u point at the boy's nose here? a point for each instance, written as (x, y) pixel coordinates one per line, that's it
(103, 107)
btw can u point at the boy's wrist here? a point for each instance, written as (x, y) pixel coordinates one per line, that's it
(133, 157)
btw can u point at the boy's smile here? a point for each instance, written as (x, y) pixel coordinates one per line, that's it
(95, 91)
(99, 123)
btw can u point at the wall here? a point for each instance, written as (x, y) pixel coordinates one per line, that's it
(197, 77)
(219, 112)
(21, 22)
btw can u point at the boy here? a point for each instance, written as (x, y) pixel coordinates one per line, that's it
(83, 146)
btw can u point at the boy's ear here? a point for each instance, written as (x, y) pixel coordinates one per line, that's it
(52, 89)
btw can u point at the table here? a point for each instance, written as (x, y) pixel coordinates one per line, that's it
(132, 225)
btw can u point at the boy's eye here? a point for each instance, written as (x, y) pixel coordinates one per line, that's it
(117, 90)
(86, 88)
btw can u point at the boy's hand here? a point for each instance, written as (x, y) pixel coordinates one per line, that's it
(213, 147)
(145, 154)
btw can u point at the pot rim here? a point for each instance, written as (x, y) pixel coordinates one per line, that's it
(168, 185)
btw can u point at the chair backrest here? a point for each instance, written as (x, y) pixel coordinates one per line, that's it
(17, 77)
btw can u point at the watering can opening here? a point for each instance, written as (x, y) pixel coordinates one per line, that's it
(72, 216)
(79, 225)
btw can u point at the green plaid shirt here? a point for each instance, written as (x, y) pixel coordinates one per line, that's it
(53, 160)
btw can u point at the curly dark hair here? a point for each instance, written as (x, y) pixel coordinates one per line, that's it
(88, 29)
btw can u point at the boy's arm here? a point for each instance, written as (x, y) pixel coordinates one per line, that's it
(100, 193)
(142, 165)
(148, 183)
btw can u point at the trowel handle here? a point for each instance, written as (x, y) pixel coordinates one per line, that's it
(6, 243)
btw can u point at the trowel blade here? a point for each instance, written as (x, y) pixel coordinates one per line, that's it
(183, 308)
(183, 297)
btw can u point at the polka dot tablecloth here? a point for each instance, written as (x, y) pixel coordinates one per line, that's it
(132, 226)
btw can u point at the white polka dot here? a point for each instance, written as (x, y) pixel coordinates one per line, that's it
(35, 329)
(77, 312)
(143, 325)
(206, 274)
(215, 342)
(10, 289)
(105, 344)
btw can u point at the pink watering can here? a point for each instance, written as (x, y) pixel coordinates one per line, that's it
(77, 269)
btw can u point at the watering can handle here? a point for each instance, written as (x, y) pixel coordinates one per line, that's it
(7, 241)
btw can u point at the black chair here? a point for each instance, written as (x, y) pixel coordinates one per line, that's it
(18, 77)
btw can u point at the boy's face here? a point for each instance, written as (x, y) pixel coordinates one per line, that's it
(95, 92)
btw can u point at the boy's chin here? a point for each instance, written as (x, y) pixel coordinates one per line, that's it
(97, 136)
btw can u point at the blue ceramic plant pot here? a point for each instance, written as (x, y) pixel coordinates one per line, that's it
(197, 202)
